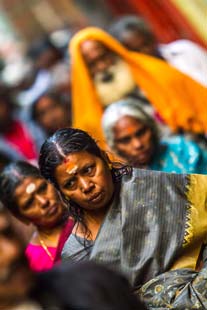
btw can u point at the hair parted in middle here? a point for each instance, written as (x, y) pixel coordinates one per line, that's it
(68, 141)
(62, 143)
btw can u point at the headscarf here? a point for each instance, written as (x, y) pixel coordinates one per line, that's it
(125, 107)
(179, 100)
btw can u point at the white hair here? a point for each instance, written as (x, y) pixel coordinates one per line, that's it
(126, 107)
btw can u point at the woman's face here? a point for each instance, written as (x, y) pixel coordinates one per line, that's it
(133, 141)
(39, 202)
(86, 180)
(51, 114)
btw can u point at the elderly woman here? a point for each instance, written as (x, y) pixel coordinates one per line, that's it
(141, 222)
(133, 135)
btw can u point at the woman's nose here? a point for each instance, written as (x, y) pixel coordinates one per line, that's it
(86, 185)
(136, 142)
(42, 200)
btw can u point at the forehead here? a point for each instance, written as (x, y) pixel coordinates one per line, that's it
(133, 36)
(28, 183)
(44, 102)
(126, 125)
(74, 162)
(91, 49)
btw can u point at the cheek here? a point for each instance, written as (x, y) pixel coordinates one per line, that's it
(52, 195)
(124, 148)
(105, 178)
(74, 196)
(60, 113)
(43, 120)
(149, 139)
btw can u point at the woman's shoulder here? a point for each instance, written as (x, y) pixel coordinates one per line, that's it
(76, 248)
(180, 143)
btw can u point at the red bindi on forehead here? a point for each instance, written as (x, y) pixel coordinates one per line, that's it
(127, 124)
(129, 129)
(66, 159)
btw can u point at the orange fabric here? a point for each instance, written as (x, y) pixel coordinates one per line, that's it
(178, 99)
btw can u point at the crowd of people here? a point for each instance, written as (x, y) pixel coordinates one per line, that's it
(103, 164)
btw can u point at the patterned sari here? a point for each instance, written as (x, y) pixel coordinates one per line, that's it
(156, 227)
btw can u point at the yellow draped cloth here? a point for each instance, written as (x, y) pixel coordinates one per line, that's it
(181, 101)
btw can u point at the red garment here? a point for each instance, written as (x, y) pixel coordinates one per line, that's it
(66, 231)
(20, 139)
(38, 258)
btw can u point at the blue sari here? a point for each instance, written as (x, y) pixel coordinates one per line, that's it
(180, 155)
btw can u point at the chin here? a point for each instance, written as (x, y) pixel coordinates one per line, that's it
(139, 164)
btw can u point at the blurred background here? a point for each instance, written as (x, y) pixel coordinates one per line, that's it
(24, 21)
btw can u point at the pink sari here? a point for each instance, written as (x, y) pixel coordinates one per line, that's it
(37, 256)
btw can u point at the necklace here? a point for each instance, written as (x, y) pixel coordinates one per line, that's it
(46, 249)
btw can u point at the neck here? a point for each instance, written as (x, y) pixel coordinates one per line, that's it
(49, 235)
(93, 220)
(95, 216)
(49, 231)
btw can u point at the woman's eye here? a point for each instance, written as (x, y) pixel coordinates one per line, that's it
(42, 188)
(70, 184)
(89, 169)
(28, 204)
(141, 132)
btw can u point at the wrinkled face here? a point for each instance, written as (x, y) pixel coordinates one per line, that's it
(38, 202)
(138, 43)
(86, 180)
(133, 141)
(51, 115)
(98, 57)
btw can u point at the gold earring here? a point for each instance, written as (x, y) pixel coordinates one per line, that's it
(110, 166)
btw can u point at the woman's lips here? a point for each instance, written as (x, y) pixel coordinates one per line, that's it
(52, 210)
(96, 198)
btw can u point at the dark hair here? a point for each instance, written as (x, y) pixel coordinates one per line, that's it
(64, 142)
(4, 159)
(11, 176)
(55, 149)
(87, 286)
(68, 141)
(130, 23)
(41, 45)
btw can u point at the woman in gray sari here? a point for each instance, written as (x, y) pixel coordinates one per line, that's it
(149, 225)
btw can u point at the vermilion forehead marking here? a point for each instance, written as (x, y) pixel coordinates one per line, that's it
(71, 168)
(128, 130)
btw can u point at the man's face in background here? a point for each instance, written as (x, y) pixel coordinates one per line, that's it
(110, 73)
(98, 57)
